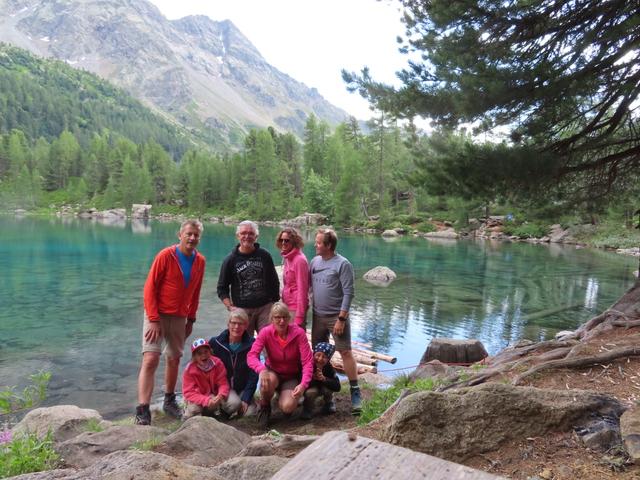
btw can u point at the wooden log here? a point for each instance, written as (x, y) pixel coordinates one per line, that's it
(359, 359)
(364, 353)
(339, 366)
(341, 455)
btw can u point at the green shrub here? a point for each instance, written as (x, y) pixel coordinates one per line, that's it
(525, 230)
(426, 227)
(12, 401)
(383, 398)
(146, 445)
(26, 454)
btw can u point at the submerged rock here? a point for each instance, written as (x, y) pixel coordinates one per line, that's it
(381, 276)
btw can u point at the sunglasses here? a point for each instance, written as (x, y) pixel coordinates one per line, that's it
(200, 342)
(285, 240)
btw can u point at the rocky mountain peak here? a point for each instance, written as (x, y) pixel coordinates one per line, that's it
(196, 70)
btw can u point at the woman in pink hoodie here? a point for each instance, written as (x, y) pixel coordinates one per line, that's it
(295, 274)
(289, 365)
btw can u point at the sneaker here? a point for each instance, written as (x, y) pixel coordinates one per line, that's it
(143, 415)
(264, 415)
(171, 407)
(329, 407)
(356, 401)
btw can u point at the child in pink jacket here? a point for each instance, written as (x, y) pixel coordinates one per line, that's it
(204, 381)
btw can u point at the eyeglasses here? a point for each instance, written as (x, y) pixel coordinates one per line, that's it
(285, 240)
(200, 342)
(236, 324)
(279, 318)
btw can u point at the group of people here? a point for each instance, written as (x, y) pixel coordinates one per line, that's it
(224, 372)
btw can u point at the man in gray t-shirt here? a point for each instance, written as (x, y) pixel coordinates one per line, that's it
(332, 282)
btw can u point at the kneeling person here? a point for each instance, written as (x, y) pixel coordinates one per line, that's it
(204, 381)
(324, 383)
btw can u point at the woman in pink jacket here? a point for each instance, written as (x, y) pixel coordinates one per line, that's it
(204, 381)
(289, 365)
(295, 274)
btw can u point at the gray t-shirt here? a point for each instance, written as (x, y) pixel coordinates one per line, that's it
(332, 283)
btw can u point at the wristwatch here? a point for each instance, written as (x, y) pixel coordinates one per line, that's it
(342, 319)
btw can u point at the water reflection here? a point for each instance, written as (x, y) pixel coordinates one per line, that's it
(72, 303)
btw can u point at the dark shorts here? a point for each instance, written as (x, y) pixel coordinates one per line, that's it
(322, 326)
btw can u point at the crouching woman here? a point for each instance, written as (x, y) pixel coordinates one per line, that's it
(288, 368)
(204, 381)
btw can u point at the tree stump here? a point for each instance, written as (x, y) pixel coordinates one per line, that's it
(453, 350)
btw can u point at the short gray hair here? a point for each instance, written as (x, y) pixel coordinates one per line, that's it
(192, 222)
(248, 223)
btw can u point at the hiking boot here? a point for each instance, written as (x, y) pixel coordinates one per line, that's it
(143, 415)
(329, 407)
(356, 401)
(171, 407)
(264, 415)
(307, 413)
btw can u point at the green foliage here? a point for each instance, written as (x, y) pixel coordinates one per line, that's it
(26, 454)
(146, 445)
(93, 425)
(383, 398)
(611, 235)
(516, 65)
(525, 230)
(426, 227)
(12, 401)
(44, 97)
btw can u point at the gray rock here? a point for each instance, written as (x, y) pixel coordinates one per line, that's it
(87, 448)
(64, 421)
(204, 441)
(59, 474)
(600, 434)
(306, 220)
(630, 431)
(136, 465)
(381, 276)
(459, 424)
(258, 448)
(140, 210)
(432, 369)
(446, 233)
(250, 468)
(390, 233)
(375, 379)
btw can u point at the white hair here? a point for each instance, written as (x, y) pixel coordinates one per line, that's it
(248, 223)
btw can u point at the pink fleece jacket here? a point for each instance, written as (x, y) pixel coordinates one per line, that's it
(289, 362)
(295, 276)
(198, 386)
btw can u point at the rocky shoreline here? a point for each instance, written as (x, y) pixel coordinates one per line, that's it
(490, 228)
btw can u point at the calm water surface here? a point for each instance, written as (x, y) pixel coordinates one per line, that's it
(71, 297)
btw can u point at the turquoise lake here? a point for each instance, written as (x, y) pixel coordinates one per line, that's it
(71, 296)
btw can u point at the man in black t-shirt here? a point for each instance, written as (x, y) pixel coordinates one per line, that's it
(248, 278)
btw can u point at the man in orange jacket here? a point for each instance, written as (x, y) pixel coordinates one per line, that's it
(171, 296)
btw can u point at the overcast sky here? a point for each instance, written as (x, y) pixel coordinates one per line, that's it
(313, 40)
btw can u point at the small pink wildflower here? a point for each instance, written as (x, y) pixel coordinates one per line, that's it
(5, 436)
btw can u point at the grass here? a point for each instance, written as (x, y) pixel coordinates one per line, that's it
(93, 425)
(383, 398)
(146, 445)
(26, 454)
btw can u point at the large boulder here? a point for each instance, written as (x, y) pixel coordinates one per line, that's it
(381, 276)
(204, 441)
(433, 369)
(136, 465)
(64, 422)
(630, 431)
(445, 233)
(390, 233)
(341, 455)
(454, 350)
(87, 448)
(250, 468)
(306, 220)
(140, 210)
(459, 424)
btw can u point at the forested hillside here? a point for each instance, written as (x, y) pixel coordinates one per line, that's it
(43, 97)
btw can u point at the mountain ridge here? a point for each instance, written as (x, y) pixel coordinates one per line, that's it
(200, 72)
